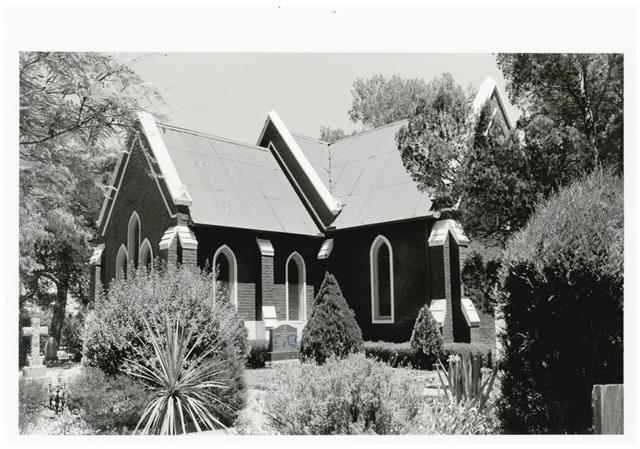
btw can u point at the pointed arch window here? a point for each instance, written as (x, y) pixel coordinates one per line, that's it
(146, 255)
(381, 267)
(226, 274)
(133, 239)
(121, 263)
(295, 287)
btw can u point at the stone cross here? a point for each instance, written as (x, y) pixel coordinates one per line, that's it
(35, 330)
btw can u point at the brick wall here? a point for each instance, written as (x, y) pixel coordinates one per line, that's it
(349, 262)
(138, 191)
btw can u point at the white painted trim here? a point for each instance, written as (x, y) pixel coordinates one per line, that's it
(233, 272)
(124, 170)
(122, 251)
(332, 203)
(265, 247)
(145, 245)
(177, 189)
(486, 90)
(272, 147)
(377, 243)
(132, 219)
(302, 298)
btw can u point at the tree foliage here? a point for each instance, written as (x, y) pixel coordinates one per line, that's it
(75, 109)
(379, 100)
(582, 91)
(434, 142)
(330, 135)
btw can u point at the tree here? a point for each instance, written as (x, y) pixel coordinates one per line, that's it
(75, 109)
(378, 100)
(330, 135)
(433, 143)
(583, 91)
(332, 328)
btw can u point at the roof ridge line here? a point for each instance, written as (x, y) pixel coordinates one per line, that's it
(368, 131)
(212, 136)
(309, 138)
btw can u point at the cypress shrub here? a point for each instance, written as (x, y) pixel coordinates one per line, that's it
(561, 295)
(426, 339)
(332, 328)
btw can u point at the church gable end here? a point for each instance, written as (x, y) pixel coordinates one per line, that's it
(139, 193)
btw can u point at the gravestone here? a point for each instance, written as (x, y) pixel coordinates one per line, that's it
(35, 368)
(283, 343)
(608, 409)
(51, 349)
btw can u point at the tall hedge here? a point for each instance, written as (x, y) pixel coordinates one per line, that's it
(562, 300)
(112, 328)
(332, 328)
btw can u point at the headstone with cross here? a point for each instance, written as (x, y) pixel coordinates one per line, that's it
(35, 368)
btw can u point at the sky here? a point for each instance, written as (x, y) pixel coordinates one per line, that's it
(230, 94)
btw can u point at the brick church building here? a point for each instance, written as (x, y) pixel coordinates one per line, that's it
(274, 216)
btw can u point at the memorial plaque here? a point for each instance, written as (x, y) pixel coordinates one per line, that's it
(283, 343)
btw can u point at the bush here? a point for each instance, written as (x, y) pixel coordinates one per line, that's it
(111, 329)
(344, 396)
(466, 349)
(357, 395)
(258, 353)
(332, 328)
(393, 354)
(107, 404)
(33, 396)
(426, 339)
(185, 388)
(562, 302)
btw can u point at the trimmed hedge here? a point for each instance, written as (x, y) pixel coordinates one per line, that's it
(461, 349)
(562, 302)
(393, 354)
(332, 328)
(401, 355)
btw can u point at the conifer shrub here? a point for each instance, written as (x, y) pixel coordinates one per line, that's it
(332, 328)
(426, 339)
(561, 296)
(182, 293)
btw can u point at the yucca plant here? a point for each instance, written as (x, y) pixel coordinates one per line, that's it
(464, 381)
(185, 387)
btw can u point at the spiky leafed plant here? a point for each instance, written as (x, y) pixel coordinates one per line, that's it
(464, 381)
(185, 386)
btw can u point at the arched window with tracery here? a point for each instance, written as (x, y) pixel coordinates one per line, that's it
(381, 267)
(295, 283)
(146, 255)
(226, 272)
(121, 263)
(133, 239)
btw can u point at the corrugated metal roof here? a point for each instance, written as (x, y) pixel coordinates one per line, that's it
(366, 173)
(235, 184)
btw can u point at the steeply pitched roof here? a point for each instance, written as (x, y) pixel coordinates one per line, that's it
(366, 173)
(234, 184)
